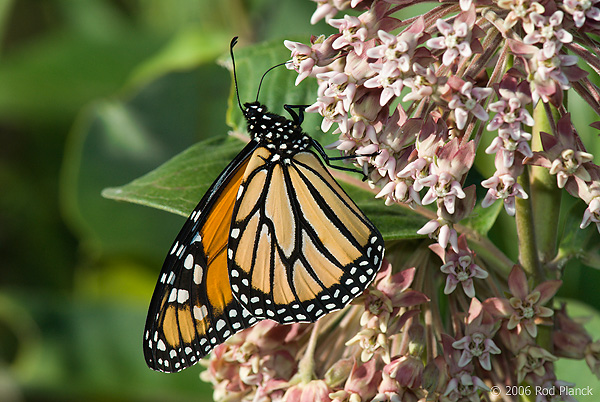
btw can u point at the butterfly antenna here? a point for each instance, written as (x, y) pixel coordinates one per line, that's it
(237, 92)
(263, 76)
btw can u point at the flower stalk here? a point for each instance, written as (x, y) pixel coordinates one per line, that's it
(545, 194)
(528, 254)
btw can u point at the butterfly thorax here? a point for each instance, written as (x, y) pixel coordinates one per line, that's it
(280, 135)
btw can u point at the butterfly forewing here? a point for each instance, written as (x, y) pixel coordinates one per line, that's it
(299, 247)
(193, 309)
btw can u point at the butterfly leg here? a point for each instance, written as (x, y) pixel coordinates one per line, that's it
(297, 117)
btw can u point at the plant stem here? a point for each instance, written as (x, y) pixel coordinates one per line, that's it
(528, 257)
(306, 365)
(545, 194)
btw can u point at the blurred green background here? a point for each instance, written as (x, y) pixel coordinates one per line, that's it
(93, 94)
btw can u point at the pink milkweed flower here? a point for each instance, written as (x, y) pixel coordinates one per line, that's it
(582, 9)
(372, 341)
(397, 50)
(592, 214)
(466, 100)
(458, 39)
(407, 370)
(389, 78)
(328, 9)
(525, 309)
(520, 10)
(503, 185)
(563, 155)
(312, 391)
(311, 60)
(477, 342)
(331, 109)
(548, 76)
(361, 384)
(354, 30)
(442, 230)
(339, 86)
(424, 83)
(464, 387)
(549, 32)
(459, 267)
(531, 359)
(511, 111)
(452, 161)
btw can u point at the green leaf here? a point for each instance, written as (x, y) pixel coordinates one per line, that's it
(278, 87)
(115, 141)
(74, 71)
(178, 185)
(577, 371)
(580, 243)
(482, 219)
(190, 47)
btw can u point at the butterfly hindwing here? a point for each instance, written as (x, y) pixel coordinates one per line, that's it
(299, 247)
(192, 308)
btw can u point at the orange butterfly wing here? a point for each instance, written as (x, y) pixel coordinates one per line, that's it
(192, 308)
(299, 247)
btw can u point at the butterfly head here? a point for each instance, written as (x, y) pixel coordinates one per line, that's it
(273, 130)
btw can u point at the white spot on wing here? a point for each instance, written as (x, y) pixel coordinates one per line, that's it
(198, 273)
(200, 313)
(182, 296)
(172, 295)
(189, 261)
(220, 324)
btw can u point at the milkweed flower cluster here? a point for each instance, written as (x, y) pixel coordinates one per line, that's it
(414, 100)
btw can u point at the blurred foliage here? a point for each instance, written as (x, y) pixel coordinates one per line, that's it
(95, 94)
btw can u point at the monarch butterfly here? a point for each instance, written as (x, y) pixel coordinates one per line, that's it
(275, 237)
